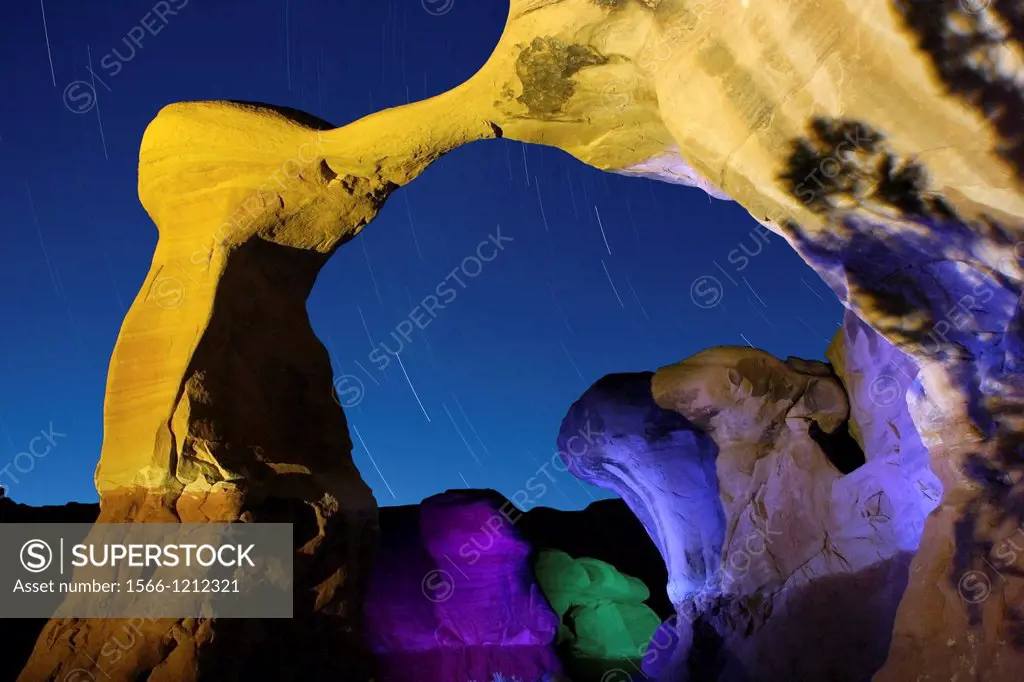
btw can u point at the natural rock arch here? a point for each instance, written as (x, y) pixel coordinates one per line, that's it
(251, 202)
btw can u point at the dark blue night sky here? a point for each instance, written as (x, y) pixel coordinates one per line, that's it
(602, 274)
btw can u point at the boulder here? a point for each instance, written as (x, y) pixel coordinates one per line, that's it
(602, 612)
(453, 595)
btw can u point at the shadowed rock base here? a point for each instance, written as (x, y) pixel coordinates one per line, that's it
(472, 664)
(326, 606)
(837, 628)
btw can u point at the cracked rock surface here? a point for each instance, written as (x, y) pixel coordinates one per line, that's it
(777, 498)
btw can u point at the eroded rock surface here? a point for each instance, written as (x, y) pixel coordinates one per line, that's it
(881, 138)
(792, 539)
(645, 454)
(19, 635)
(406, 587)
(219, 403)
(605, 622)
(453, 595)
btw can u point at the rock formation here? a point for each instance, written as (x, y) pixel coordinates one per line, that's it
(881, 138)
(73, 512)
(605, 623)
(219, 403)
(453, 596)
(19, 635)
(606, 531)
(775, 502)
(423, 615)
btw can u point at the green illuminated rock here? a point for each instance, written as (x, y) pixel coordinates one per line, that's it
(602, 611)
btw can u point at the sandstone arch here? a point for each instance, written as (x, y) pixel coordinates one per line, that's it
(709, 94)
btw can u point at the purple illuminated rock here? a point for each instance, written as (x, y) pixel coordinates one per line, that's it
(881, 382)
(453, 596)
(660, 464)
(495, 598)
(669, 636)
